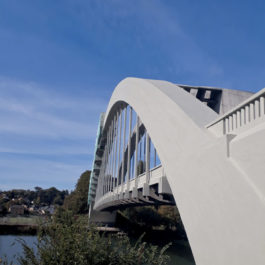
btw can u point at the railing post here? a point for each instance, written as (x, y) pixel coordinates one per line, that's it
(262, 106)
(247, 114)
(230, 123)
(234, 121)
(227, 129)
(243, 116)
(238, 116)
(252, 112)
(257, 109)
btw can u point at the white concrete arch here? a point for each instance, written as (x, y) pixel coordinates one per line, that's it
(222, 212)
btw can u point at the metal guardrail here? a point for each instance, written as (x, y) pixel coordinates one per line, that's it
(251, 109)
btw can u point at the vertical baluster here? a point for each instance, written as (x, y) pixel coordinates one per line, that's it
(243, 118)
(262, 106)
(238, 116)
(227, 129)
(251, 112)
(234, 121)
(247, 114)
(230, 123)
(257, 109)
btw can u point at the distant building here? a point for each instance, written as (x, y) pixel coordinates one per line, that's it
(17, 209)
(33, 208)
(5, 197)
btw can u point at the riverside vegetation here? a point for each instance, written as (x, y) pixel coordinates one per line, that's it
(66, 238)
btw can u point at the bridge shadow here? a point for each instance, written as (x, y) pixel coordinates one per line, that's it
(160, 225)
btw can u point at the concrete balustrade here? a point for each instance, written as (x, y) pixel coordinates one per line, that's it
(246, 113)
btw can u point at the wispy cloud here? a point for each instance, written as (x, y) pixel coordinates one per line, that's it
(27, 174)
(26, 109)
(46, 137)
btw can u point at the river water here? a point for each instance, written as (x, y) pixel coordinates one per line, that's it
(179, 252)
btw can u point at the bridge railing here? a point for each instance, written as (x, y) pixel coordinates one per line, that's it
(249, 111)
(140, 180)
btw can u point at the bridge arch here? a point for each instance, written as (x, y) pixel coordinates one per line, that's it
(211, 192)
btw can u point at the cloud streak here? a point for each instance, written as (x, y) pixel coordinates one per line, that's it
(46, 137)
(42, 114)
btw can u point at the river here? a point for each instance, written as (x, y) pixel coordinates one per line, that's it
(179, 252)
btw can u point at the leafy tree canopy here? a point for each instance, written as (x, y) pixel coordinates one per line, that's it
(77, 200)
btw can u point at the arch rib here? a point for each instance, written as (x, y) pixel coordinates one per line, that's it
(212, 194)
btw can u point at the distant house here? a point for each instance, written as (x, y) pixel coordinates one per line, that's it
(47, 210)
(17, 209)
(5, 197)
(51, 209)
(33, 208)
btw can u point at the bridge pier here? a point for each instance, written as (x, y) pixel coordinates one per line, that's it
(101, 217)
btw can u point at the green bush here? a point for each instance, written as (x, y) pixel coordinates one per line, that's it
(68, 240)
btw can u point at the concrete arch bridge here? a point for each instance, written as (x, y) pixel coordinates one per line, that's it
(201, 148)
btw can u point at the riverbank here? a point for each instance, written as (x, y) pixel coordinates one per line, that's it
(179, 251)
(17, 225)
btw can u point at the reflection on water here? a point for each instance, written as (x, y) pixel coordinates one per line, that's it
(179, 252)
(10, 247)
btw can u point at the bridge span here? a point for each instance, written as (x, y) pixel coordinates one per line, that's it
(200, 148)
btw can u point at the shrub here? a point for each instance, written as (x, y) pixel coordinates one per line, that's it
(68, 240)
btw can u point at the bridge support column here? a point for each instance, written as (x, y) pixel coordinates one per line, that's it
(146, 189)
(101, 218)
(135, 192)
(163, 186)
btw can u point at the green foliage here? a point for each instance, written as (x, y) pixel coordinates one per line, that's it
(68, 240)
(40, 197)
(4, 261)
(3, 208)
(140, 167)
(77, 200)
(146, 216)
(49, 196)
(149, 217)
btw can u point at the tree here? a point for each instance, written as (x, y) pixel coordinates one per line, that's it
(77, 200)
(149, 216)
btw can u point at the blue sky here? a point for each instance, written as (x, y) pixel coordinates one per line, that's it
(61, 59)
